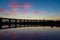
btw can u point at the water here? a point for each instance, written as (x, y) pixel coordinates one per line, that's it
(30, 33)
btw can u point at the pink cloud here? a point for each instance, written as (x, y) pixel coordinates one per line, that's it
(13, 12)
(14, 8)
(24, 13)
(15, 5)
(3, 10)
(35, 12)
(26, 6)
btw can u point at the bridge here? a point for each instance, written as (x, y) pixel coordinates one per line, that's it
(13, 23)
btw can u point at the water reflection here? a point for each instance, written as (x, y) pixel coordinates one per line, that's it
(31, 33)
(5, 26)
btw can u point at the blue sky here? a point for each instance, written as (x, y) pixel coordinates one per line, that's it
(48, 8)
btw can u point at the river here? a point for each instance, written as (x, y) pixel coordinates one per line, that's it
(30, 33)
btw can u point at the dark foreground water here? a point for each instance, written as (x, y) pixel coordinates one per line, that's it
(30, 33)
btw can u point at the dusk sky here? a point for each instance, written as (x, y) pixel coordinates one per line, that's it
(30, 9)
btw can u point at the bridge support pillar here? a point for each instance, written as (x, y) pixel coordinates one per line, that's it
(0, 23)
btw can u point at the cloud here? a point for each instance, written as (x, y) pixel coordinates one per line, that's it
(26, 6)
(14, 8)
(7, 14)
(13, 12)
(3, 10)
(35, 12)
(15, 5)
(24, 13)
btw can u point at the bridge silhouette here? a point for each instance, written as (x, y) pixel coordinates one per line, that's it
(13, 23)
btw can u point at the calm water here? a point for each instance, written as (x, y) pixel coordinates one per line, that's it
(30, 33)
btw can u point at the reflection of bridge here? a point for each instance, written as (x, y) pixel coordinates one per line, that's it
(8, 23)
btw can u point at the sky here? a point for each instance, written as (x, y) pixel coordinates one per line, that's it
(35, 9)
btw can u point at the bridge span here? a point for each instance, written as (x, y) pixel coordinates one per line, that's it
(13, 23)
